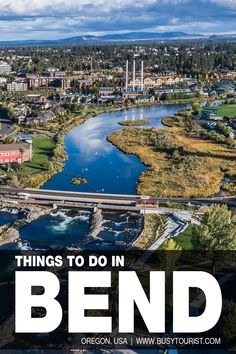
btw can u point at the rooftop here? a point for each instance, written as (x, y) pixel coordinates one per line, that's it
(13, 147)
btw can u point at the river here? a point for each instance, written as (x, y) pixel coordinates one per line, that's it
(90, 155)
(107, 170)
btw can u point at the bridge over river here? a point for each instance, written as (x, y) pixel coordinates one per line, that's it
(103, 201)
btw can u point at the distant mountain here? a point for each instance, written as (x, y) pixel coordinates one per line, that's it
(223, 37)
(147, 36)
(124, 37)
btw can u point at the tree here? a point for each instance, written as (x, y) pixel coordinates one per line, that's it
(224, 129)
(227, 325)
(171, 245)
(170, 256)
(217, 231)
(195, 108)
(16, 166)
(10, 140)
(10, 114)
(48, 165)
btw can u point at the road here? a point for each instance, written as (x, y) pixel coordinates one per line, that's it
(5, 127)
(52, 195)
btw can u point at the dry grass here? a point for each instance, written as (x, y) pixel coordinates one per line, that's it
(180, 165)
(153, 229)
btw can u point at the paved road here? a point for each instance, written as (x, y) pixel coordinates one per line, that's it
(107, 198)
(5, 127)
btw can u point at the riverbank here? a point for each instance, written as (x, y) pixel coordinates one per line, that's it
(154, 227)
(55, 163)
(180, 162)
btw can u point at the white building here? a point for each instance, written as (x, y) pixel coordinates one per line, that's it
(4, 67)
(17, 86)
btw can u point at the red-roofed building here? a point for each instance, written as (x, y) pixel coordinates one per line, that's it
(21, 152)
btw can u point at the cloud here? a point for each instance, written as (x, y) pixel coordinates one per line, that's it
(231, 4)
(57, 18)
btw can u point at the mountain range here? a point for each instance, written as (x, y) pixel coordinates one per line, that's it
(109, 38)
(131, 37)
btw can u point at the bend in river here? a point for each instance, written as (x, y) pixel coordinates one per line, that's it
(91, 156)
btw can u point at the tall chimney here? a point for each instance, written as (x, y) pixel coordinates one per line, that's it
(142, 76)
(134, 75)
(127, 76)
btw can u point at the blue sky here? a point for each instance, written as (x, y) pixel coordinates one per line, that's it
(49, 19)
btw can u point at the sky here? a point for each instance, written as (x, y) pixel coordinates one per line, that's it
(54, 19)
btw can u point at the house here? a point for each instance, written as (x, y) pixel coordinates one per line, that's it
(150, 82)
(42, 118)
(106, 91)
(119, 100)
(19, 152)
(59, 111)
(137, 83)
(46, 116)
(130, 94)
(224, 87)
(4, 67)
(20, 110)
(35, 98)
(145, 99)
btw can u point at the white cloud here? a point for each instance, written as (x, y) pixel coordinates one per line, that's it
(62, 18)
(231, 4)
(60, 7)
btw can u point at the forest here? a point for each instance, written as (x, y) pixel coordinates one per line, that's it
(197, 59)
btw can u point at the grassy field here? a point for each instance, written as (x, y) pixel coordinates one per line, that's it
(184, 239)
(42, 151)
(227, 110)
(180, 165)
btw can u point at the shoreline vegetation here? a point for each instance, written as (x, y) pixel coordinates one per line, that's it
(154, 226)
(57, 156)
(183, 160)
(133, 123)
(34, 174)
(78, 181)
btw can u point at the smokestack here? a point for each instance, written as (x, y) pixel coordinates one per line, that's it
(142, 76)
(127, 75)
(134, 74)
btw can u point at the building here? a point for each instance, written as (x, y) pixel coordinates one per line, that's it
(17, 86)
(20, 152)
(145, 99)
(4, 67)
(130, 94)
(106, 91)
(42, 118)
(35, 81)
(20, 113)
(60, 82)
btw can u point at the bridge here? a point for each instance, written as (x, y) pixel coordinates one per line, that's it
(103, 201)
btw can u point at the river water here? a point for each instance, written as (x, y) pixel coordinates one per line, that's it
(107, 170)
(71, 228)
(9, 215)
(90, 155)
